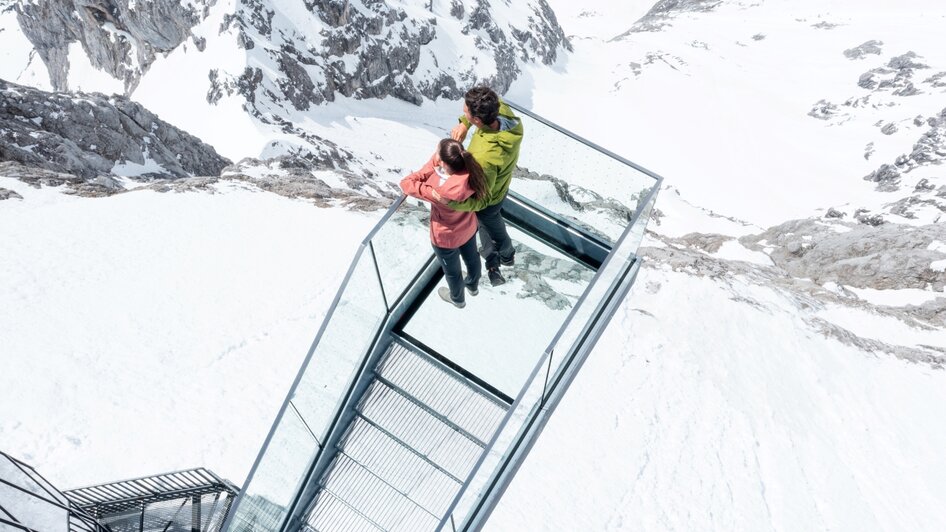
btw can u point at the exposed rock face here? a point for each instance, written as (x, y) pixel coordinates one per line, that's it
(882, 257)
(321, 182)
(373, 49)
(41, 177)
(661, 15)
(895, 76)
(92, 135)
(929, 150)
(121, 37)
(8, 194)
(868, 48)
(807, 254)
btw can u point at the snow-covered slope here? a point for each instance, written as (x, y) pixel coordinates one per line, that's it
(778, 365)
(261, 63)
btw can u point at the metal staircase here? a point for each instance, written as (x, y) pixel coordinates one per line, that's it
(415, 434)
(408, 417)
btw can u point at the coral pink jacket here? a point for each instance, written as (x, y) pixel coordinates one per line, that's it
(448, 228)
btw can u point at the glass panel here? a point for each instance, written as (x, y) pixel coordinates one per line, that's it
(32, 512)
(619, 263)
(265, 501)
(498, 453)
(341, 349)
(326, 378)
(402, 247)
(576, 181)
(12, 473)
(501, 332)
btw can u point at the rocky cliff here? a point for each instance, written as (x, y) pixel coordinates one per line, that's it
(93, 135)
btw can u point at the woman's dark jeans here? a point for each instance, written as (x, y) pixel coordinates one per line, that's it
(450, 261)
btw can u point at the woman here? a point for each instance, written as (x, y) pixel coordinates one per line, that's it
(451, 174)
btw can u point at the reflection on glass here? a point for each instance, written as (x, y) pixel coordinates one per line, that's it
(325, 379)
(28, 508)
(502, 331)
(576, 181)
(278, 477)
(341, 348)
(402, 247)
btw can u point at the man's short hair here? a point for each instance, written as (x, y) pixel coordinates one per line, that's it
(483, 103)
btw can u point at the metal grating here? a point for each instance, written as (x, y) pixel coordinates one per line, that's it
(193, 500)
(414, 435)
(129, 494)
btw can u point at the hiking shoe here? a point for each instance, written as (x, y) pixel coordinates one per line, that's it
(495, 278)
(511, 261)
(444, 294)
(473, 291)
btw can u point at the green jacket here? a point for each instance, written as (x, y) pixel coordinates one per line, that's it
(497, 152)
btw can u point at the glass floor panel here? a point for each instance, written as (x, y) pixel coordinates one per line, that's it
(501, 333)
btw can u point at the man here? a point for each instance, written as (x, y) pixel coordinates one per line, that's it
(495, 145)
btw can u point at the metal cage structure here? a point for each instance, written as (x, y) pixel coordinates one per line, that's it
(391, 425)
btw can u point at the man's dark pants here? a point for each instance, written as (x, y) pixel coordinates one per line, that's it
(450, 261)
(493, 236)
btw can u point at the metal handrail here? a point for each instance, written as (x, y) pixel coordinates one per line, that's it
(305, 363)
(367, 244)
(550, 350)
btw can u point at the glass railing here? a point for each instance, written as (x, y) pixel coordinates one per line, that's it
(618, 214)
(29, 502)
(569, 179)
(385, 265)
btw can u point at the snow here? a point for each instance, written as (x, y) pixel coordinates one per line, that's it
(733, 250)
(19, 62)
(174, 323)
(148, 310)
(225, 125)
(85, 77)
(739, 422)
(133, 169)
(895, 298)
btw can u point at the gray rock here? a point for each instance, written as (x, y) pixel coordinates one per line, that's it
(887, 178)
(8, 194)
(834, 213)
(825, 25)
(86, 135)
(373, 49)
(121, 37)
(889, 129)
(864, 256)
(664, 11)
(41, 177)
(937, 80)
(906, 62)
(867, 48)
(823, 110)
(924, 185)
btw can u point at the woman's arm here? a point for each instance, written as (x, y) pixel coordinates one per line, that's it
(416, 185)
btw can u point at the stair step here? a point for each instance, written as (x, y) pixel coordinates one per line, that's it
(377, 501)
(442, 391)
(403, 468)
(420, 430)
(416, 433)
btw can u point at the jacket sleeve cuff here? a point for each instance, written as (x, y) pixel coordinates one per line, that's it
(464, 121)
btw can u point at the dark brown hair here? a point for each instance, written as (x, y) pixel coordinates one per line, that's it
(459, 160)
(483, 103)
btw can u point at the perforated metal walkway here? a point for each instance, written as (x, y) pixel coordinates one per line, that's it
(412, 440)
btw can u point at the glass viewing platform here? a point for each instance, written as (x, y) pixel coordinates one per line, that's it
(411, 415)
